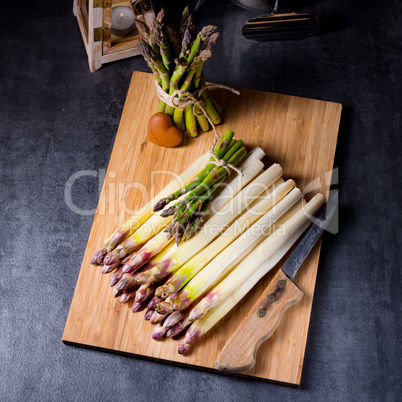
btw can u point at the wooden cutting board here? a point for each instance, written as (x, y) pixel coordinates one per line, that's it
(298, 133)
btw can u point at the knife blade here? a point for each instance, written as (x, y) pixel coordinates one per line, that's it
(263, 319)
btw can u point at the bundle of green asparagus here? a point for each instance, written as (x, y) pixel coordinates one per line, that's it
(256, 219)
(176, 58)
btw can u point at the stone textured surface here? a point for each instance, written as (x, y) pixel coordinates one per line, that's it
(57, 118)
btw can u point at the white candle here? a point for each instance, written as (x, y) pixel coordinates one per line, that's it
(122, 21)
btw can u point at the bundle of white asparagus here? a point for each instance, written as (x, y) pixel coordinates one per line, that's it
(249, 226)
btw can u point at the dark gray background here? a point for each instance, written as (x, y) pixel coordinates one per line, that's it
(57, 118)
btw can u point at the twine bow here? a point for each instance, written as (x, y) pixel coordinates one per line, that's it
(180, 99)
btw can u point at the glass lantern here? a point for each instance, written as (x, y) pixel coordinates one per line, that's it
(108, 28)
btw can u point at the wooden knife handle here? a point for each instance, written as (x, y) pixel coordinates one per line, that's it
(260, 323)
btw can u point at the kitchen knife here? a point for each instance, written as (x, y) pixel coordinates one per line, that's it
(263, 319)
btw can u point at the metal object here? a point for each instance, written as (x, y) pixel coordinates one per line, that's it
(102, 3)
(303, 249)
(102, 33)
(281, 24)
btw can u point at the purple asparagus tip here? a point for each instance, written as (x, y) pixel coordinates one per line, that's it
(115, 277)
(141, 295)
(175, 330)
(160, 204)
(117, 292)
(123, 284)
(98, 256)
(125, 297)
(108, 268)
(110, 258)
(148, 315)
(127, 269)
(153, 302)
(138, 306)
(158, 332)
(183, 347)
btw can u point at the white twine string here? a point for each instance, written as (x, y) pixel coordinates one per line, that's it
(180, 99)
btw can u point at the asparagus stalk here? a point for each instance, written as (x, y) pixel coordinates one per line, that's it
(204, 56)
(152, 56)
(115, 278)
(155, 300)
(190, 121)
(212, 111)
(145, 212)
(163, 43)
(198, 221)
(179, 71)
(202, 38)
(255, 154)
(173, 319)
(110, 267)
(200, 327)
(148, 314)
(199, 261)
(117, 292)
(187, 22)
(127, 296)
(185, 44)
(146, 34)
(128, 279)
(156, 317)
(159, 331)
(192, 209)
(155, 224)
(179, 327)
(262, 253)
(157, 245)
(174, 39)
(126, 282)
(239, 203)
(138, 306)
(143, 294)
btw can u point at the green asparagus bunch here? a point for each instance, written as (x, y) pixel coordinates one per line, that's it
(176, 57)
(193, 199)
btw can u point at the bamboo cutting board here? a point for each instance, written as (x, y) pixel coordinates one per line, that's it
(298, 133)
